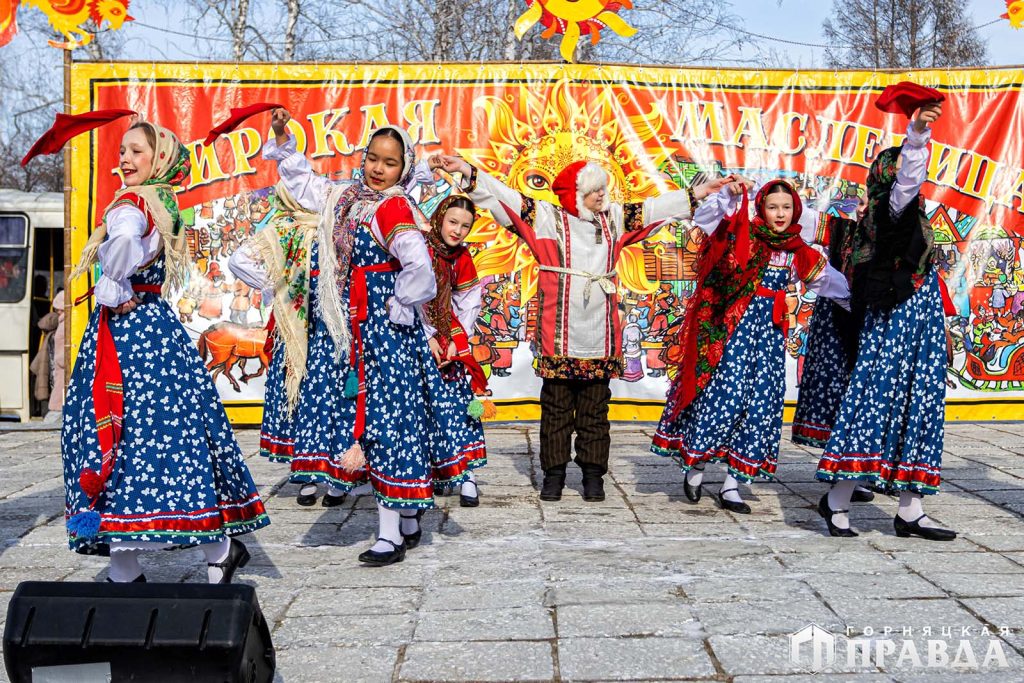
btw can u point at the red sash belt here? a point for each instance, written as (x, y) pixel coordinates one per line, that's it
(464, 355)
(358, 312)
(780, 311)
(268, 346)
(108, 392)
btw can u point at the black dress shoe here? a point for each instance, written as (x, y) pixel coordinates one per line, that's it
(693, 493)
(141, 578)
(554, 482)
(731, 506)
(329, 501)
(825, 511)
(862, 496)
(904, 529)
(470, 501)
(306, 499)
(593, 482)
(238, 556)
(375, 559)
(412, 540)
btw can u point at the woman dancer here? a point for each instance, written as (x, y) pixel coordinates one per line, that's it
(373, 271)
(889, 430)
(150, 461)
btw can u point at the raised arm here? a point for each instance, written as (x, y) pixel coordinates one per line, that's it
(676, 205)
(309, 188)
(913, 160)
(712, 211)
(251, 270)
(486, 191)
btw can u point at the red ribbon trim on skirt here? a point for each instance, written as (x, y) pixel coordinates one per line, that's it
(358, 313)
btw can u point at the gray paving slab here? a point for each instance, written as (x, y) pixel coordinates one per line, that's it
(642, 587)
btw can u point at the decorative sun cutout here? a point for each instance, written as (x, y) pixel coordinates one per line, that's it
(572, 19)
(1014, 13)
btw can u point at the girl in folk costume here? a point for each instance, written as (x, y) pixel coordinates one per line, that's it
(279, 258)
(831, 347)
(579, 330)
(150, 461)
(448, 321)
(372, 272)
(726, 401)
(889, 430)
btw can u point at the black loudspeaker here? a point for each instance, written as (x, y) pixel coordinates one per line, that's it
(136, 632)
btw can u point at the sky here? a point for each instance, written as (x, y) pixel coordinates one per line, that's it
(801, 20)
(794, 20)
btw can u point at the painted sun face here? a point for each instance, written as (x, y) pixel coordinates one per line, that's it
(573, 19)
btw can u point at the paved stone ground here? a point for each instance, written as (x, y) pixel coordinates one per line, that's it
(641, 587)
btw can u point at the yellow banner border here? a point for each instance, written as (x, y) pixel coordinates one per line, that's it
(87, 77)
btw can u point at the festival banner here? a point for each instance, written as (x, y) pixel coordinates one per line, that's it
(653, 129)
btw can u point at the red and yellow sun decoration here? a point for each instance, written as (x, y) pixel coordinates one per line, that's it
(536, 131)
(573, 19)
(1014, 13)
(67, 17)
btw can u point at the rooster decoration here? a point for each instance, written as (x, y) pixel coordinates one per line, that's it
(1015, 13)
(572, 19)
(67, 17)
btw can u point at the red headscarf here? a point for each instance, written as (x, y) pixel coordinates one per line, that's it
(731, 265)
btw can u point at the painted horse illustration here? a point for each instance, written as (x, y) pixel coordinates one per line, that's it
(227, 344)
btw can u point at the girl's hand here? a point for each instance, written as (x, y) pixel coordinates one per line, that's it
(127, 306)
(927, 115)
(279, 119)
(452, 351)
(712, 186)
(454, 164)
(435, 350)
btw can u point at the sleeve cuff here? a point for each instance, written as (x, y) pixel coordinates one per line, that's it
(274, 152)
(112, 293)
(917, 139)
(399, 314)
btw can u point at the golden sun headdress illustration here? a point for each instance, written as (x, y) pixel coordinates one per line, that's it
(572, 19)
(533, 133)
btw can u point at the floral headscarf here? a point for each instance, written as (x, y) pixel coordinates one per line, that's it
(731, 265)
(284, 247)
(347, 207)
(438, 310)
(171, 167)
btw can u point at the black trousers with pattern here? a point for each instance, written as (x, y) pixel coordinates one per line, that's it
(580, 405)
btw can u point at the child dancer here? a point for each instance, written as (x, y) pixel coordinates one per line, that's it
(889, 429)
(150, 461)
(373, 271)
(280, 257)
(579, 329)
(831, 348)
(449, 320)
(726, 401)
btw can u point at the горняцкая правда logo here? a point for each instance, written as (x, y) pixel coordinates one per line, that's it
(963, 649)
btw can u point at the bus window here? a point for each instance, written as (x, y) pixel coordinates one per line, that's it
(13, 257)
